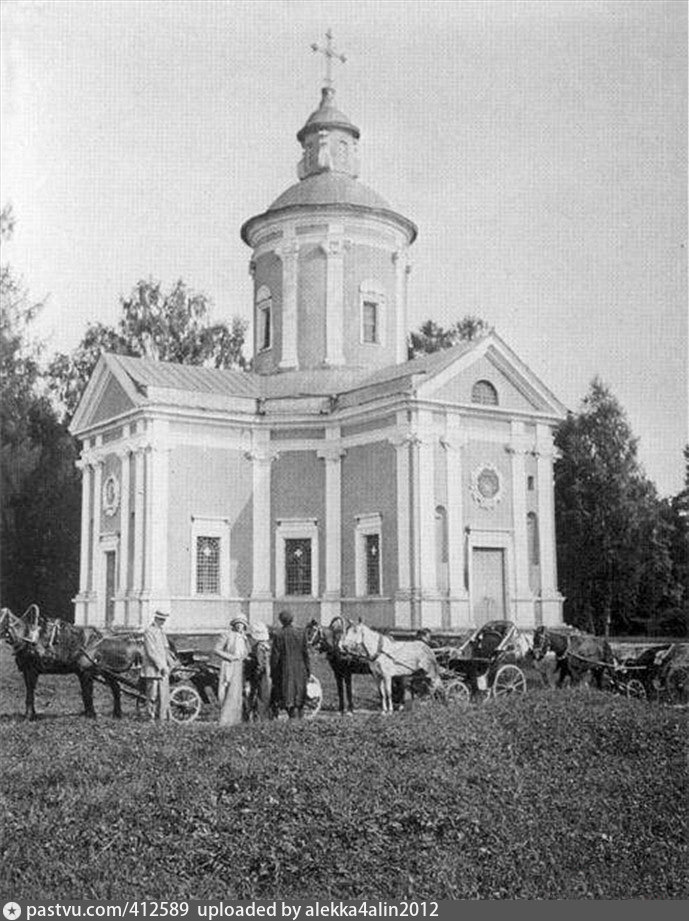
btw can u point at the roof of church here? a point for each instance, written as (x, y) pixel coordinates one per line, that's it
(147, 373)
(147, 381)
(327, 116)
(330, 188)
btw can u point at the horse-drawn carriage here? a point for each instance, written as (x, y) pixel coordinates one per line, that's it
(52, 646)
(484, 665)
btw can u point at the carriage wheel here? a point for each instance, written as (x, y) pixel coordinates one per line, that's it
(314, 697)
(677, 686)
(185, 703)
(508, 680)
(635, 689)
(457, 693)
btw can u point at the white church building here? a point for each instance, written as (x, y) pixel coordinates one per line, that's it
(336, 477)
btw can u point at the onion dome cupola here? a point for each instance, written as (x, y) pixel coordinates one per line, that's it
(330, 258)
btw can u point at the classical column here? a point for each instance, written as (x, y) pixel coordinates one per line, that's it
(551, 600)
(403, 618)
(97, 586)
(289, 254)
(402, 269)
(334, 298)
(81, 601)
(332, 454)
(454, 444)
(139, 507)
(523, 603)
(121, 601)
(261, 457)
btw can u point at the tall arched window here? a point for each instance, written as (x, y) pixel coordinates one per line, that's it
(264, 319)
(484, 392)
(441, 548)
(532, 538)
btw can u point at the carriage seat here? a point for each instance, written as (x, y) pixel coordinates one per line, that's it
(489, 637)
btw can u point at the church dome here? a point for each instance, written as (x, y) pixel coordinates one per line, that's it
(327, 117)
(330, 189)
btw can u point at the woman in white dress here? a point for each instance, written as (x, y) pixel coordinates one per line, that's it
(233, 648)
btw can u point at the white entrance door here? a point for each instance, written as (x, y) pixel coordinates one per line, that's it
(488, 584)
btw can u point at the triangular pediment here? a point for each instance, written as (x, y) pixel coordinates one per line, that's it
(518, 389)
(109, 394)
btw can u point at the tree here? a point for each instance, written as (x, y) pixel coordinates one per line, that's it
(430, 337)
(613, 540)
(171, 326)
(39, 547)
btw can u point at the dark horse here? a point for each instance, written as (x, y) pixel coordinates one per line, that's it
(577, 654)
(344, 665)
(44, 646)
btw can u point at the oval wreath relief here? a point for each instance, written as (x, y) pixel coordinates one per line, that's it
(111, 495)
(486, 486)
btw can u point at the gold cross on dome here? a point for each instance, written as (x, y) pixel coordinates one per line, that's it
(329, 54)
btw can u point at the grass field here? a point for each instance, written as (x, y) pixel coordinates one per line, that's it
(553, 795)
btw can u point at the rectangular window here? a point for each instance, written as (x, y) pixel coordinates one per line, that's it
(372, 550)
(370, 321)
(207, 565)
(298, 566)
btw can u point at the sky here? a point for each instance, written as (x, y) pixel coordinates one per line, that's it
(539, 146)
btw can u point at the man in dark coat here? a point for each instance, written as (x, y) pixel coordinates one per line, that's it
(289, 666)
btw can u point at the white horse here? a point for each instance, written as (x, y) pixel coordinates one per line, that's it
(389, 659)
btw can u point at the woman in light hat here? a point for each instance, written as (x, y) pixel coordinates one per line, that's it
(233, 648)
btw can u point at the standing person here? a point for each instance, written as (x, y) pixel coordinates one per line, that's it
(233, 648)
(261, 684)
(155, 669)
(290, 668)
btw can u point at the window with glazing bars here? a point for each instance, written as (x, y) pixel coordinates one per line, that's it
(208, 565)
(298, 566)
(370, 321)
(372, 546)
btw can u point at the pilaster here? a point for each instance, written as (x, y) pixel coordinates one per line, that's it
(403, 595)
(454, 444)
(426, 581)
(81, 602)
(551, 599)
(402, 270)
(289, 254)
(334, 248)
(523, 602)
(157, 521)
(332, 453)
(137, 586)
(261, 457)
(97, 589)
(121, 600)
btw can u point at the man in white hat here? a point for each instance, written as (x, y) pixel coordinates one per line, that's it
(155, 669)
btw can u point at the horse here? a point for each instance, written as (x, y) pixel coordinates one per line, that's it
(51, 646)
(388, 659)
(578, 655)
(343, 664)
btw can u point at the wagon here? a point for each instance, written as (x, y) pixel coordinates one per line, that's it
(484, 665)
(196, 675)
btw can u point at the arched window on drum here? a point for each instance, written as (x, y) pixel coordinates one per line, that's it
(484, 392)
(264, 319)
(441, 548)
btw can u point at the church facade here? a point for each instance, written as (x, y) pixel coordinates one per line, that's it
(336, 477)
